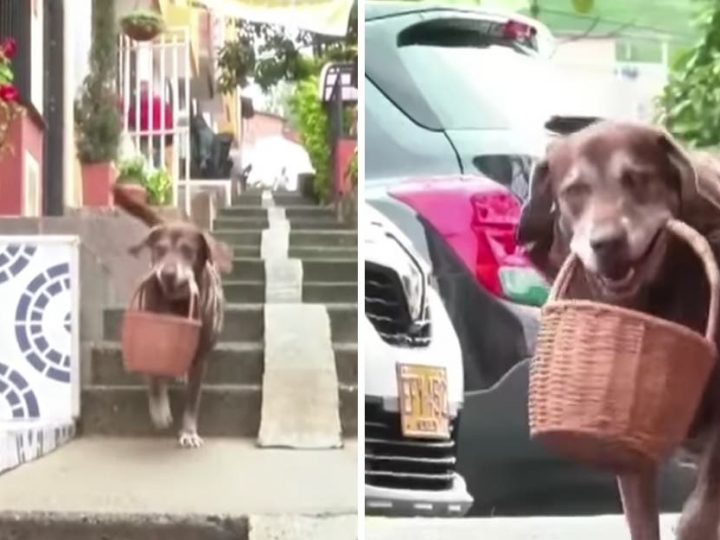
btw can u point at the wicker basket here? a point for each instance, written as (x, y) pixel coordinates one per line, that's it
(615, 388)
(159, 344)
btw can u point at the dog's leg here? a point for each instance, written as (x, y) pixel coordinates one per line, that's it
(189, 437)
(701, 513)
(159, 403)
(639, 501)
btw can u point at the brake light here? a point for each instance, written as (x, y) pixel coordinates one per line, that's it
(478, 223)
(518, 31)
(501, 267)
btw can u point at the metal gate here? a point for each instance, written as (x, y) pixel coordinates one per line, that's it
(154, 85)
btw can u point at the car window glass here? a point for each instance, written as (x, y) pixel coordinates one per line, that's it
(395, 146)
(471, 84)
(512, 171)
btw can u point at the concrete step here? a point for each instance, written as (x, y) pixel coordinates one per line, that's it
(225, 411)
(313, 292)
(339, 237)
(318, 270)
(230, 363)
(302, 252)
(322, 252)
(245, 323)
(298, 223)
(296, 211)
(141, 489)
(247, 252)
(240, 238)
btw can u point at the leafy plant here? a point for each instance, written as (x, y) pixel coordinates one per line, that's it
(132, 171)
(97, 117)
(312, 124)
(159, 187)
(268, 54)
(142, 24)
(9, 96)
(690, 103)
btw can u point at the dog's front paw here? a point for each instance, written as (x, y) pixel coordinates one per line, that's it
(190, 439)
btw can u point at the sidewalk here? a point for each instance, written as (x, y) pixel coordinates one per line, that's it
(538, 528)
(226, 477)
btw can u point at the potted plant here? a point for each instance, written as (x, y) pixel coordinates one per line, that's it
(10, 109)
(97, 118)
(142, 25)
(132, 178)
(159, 187)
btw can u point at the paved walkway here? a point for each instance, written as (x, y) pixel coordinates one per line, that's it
(542, 528)
(229, 477)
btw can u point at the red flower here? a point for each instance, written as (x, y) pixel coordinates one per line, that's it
(8, 48)
(9, 93)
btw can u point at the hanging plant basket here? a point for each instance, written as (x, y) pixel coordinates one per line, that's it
(142, 25)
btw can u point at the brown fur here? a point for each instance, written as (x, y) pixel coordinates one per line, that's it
(669, 283)
(183, 259)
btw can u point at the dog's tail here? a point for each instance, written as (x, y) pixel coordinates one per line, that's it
(141, 211)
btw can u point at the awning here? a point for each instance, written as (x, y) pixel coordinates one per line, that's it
(327, 17)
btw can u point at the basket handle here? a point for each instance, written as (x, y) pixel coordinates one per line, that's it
(699, 245)
(136, 301)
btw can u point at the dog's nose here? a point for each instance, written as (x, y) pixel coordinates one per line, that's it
(609, 243)
(168, 275)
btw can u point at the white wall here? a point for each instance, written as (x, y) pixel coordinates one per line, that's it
(37, 44)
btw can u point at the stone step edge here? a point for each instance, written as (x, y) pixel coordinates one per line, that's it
(226, 346)
(343, 387)
(236, 306)
(126, 526)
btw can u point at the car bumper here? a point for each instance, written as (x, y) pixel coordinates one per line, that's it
(453, 502)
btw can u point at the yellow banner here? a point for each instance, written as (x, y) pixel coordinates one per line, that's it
(327, 17)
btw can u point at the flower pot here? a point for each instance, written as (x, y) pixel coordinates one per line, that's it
(134, 191)
(141, 31)
(98, 179)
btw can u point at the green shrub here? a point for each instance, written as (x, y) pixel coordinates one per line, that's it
(97, 115)
(690, 104)
(159, 187)
(132, 171)
(312, 125)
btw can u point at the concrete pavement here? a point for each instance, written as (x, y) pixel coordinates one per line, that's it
(229, 477)
(539, 528)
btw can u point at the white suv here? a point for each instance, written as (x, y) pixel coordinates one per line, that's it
(413, 383)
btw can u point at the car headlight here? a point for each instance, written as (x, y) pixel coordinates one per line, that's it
(388, 251)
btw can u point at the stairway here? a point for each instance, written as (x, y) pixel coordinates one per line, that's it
(115, 422)
(116, 402)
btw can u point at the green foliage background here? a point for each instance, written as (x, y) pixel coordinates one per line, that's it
(690, 104)
(312, 124)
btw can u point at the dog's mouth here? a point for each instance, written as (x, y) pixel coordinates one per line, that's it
(624, 280)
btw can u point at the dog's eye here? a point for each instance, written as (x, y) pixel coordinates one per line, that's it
(187, 252)
(576, 191)
(160, 250)
(634, 181)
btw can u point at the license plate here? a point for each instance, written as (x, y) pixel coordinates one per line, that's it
(423, 401)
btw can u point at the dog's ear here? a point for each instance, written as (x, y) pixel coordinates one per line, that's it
(147, 242)
(537, 216)
(681, 162)
(218, 253)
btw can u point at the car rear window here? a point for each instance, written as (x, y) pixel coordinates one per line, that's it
(470, 78)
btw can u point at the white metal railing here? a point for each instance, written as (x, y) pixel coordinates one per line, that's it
(143, 67)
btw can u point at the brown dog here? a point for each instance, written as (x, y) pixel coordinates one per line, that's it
(604, 194)
(183, 259)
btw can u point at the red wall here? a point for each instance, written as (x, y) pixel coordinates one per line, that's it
(25, 136)
(344, 150)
